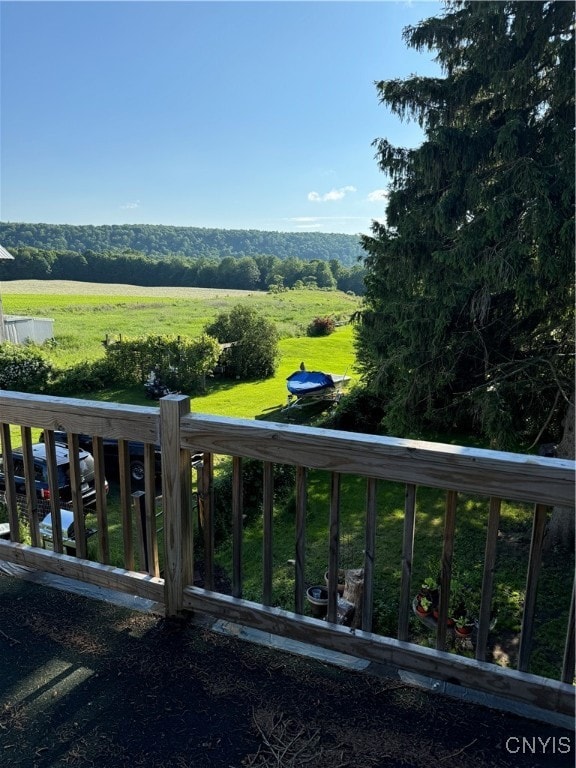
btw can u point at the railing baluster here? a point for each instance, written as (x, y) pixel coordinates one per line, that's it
(150, 509)
(125, 505)
(56, 517)
(76, 494)
(534, 564)
(9, 483)
(237, 526)
(446, 568)
(334, 546)
(31, 500)
(101, 506)
(206, 516)
(268, 509)
(407, 558)
(300, 566)
(369, 553)
(569, 660)
(488, 578)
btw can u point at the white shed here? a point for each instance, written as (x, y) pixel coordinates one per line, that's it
(19, 329)
(3, 255)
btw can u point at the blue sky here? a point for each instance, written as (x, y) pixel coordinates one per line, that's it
(238, 115)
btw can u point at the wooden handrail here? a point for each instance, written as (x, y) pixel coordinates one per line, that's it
(490, 474)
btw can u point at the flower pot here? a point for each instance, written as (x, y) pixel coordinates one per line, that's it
(464, 631)
(341, 577)
(317, 596)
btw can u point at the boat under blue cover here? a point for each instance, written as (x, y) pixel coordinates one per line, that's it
(309, 382)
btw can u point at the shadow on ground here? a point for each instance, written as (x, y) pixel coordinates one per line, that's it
(86, 683)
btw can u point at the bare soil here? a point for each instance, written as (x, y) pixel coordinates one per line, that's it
(86, 683)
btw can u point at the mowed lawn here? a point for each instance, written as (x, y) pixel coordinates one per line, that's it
(85, 313)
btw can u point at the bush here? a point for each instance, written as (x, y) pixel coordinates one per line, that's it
(252, 493)
(254, 340)
(321, 326)
(85, 377)
(24, 368)
(181, 364)
(357, 411)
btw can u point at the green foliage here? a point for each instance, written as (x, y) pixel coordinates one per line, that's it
(321, 326)
(180, 363)
(87, 376)
(252, 493)
(254, 340)
(24, 368)
(202, 243)
(357, 411)
(469, 317)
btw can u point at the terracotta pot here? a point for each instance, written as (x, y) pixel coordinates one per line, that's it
(463, 631)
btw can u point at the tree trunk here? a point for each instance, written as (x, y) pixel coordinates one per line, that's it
(560, 533)
(353, 592)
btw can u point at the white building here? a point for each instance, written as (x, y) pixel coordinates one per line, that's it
(19, 329)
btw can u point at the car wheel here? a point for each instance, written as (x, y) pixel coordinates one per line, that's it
(137, 471)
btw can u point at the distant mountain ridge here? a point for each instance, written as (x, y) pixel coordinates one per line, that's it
(159, 240)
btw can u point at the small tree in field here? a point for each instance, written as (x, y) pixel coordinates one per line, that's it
(254, 339)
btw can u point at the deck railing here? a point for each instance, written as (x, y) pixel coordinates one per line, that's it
(492, 475)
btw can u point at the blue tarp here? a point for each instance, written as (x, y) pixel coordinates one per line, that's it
(308, 382)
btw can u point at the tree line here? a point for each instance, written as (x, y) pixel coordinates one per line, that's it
(190, 242)
(259, 272)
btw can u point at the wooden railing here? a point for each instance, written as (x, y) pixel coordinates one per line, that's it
(456, 470)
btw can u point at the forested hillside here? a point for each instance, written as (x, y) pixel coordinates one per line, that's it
(192, 242)
(260, 272)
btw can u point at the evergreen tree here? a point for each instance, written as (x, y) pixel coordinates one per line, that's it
(468, 320)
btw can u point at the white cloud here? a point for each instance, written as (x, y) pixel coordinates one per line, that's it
(377, 195)
(130, 206)
(334, 194)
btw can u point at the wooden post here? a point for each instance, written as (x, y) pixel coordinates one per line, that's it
(10, 485)
(301, 504)
(334, 546)
(569, 650)
(407, 557)
(237, 526)
(125, 505)
(206, 515)
(268, 505)
(446, 571)
(534, 564)
(176, 498)
(488, 578)
(77, 501)
(369, 553)
(31, 499)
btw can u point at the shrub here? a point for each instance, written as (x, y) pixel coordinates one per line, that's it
(24, 368)
(357, 411)
(321, 326)
(85, 377)
(179, 363)
(252, 493)
(254, 340)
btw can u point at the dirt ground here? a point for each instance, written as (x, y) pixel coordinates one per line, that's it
(85, 683)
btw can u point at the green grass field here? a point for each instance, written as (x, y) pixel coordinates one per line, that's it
(84, 313)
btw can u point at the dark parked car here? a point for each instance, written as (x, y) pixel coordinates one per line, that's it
(135, 451)
(87, 487)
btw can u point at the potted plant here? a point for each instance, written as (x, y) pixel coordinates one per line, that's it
(463, 625)
(317, 596)
(341, 580)
(423, 605)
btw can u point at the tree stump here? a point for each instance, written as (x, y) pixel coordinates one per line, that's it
(353, 592)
